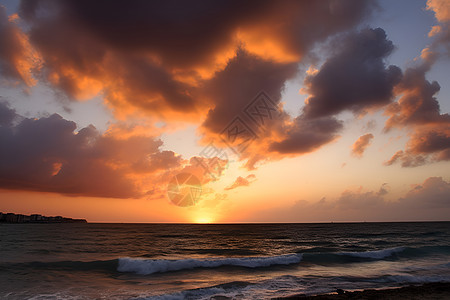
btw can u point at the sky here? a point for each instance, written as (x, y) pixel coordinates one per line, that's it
(226, 111)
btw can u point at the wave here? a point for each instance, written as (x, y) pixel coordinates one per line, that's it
(320, 256)
(376, 254)
(150, 266)
(330, 258)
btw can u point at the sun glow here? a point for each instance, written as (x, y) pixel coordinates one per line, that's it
(203, 219)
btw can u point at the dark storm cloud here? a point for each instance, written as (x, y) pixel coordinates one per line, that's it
(48, 155)
(185, 32)
(419, 111)
(152, 55)
(239, 83)
(183, 59)
(308, 135)
(7, 114)
(181, 32)
(355, 77)
(418, 104)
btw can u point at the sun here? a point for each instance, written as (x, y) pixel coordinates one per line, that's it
(204, 220)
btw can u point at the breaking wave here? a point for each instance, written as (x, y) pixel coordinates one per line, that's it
(150, 266)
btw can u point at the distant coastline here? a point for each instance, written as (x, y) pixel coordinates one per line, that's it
(36, 218)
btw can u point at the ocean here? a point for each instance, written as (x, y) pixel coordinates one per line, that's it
(216, 261)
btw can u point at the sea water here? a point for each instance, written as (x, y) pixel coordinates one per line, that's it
(235, 261)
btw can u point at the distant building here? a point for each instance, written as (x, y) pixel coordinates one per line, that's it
(36, 218)
(11, 218)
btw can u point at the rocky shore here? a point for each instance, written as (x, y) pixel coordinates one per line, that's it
(440, 290)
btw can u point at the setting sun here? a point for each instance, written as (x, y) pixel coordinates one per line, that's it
(204, 219)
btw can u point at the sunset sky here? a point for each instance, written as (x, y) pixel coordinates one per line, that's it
(339, 109)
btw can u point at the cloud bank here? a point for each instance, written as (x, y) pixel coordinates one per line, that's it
(158, 60)
(428, 201)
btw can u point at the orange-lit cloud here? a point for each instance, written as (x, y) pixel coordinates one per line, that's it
(161, 65)
(48, 155)
(241, 181)
(427, 144)
(159, 61)
(441, 9)
(361, 144)
(170, 66)
(441, 32)
(17, 57)
(419, 111)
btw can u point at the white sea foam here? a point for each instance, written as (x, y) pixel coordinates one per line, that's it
(150, 266)
(376, 254)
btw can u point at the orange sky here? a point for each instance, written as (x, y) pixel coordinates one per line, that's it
(283, 111)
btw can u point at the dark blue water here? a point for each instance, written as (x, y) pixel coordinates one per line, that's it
(239, 261)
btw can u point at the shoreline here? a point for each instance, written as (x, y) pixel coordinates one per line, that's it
(13, 218)
(437, 290)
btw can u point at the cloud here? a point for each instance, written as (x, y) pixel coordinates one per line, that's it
(308, 135)
(241, 181)
(247, 94)
(361, 144)
(234, 88)
(440, 32)
(419, 203)
(419, 111)
(383, 190)
(177, 34)
(434, 192)
(49, 155)
(207, 168)
(155, 58)
(16, 56)
(407, 159)
(7, 114)
(355, 77)
(158, 60)
(429, 200)
(426, 145)
(434, 140)
(417, 104)
(440, 8)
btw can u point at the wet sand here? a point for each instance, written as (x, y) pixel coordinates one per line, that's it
(425, 291)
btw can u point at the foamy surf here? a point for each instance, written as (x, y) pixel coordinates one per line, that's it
(150, 266)
(376, 254)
